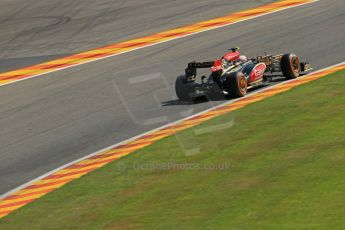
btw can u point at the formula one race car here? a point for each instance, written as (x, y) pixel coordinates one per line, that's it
(234, 74)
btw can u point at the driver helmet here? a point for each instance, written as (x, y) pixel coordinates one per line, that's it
(242, 58)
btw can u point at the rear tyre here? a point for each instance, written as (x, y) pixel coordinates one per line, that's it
(291, 66)
(183, 88)
(236, 84)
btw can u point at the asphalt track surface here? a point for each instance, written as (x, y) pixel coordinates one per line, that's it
(34, 31)
(59, 117)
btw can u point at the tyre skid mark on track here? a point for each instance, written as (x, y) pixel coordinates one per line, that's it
(131, 45)
(39, 188)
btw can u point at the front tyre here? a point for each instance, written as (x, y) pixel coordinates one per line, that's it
(290, 65)
(236, 84)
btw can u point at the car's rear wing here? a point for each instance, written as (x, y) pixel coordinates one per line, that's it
(198, 65)
(192, 66)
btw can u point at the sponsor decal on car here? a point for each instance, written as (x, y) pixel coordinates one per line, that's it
(258, 71)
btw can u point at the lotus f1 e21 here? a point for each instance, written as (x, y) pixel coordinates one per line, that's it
(234, 74)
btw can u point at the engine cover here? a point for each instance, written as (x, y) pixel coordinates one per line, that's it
(232, 56)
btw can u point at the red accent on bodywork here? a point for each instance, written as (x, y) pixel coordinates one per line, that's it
(232, 56)
(216, 66)
(257, 72)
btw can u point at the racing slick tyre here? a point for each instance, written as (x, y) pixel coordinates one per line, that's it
(290, 65)
(183, 88)
(236, 84)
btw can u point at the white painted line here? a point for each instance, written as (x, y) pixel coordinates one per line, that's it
(150, 77)
(151, 131)
(67, 67)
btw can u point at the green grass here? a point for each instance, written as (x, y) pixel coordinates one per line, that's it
(285, 169)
